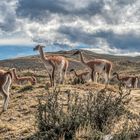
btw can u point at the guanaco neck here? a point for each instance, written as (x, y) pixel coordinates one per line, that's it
(15, 75)
(82, 58)
(42, 54)
(118, 76)
(75, 73)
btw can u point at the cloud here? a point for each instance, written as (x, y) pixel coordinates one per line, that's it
(8, 20)
(124, 40)
(77, 35)
(113, 12)
(17, 41)
(101, 25)
(129, 40)
(40, 9)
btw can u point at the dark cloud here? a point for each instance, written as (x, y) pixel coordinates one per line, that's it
(38, 9)
(124, 2)
(8, 19)
(113, 12)
(77, 35)
(9, 24)
(129, 40)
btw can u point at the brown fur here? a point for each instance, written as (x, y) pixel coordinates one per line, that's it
(92, 64)
(80, 75)
(5, 83)
(3, 75)
(21, 80)
(132, 79)
(54, 61)
(26, 79)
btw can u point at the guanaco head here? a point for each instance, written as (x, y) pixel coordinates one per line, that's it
(115, 74)
(13, 71)
(38, 47)
(77, 52)
(71, 70)
(33, 80)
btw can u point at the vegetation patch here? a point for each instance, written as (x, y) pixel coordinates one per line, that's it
(26, 88)
(91, 116)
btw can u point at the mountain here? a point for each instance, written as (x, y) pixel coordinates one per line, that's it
(120, 63)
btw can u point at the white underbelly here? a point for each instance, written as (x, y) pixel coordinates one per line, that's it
(99, 68)
(128, 82)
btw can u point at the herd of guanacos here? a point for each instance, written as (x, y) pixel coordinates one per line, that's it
(60, 64)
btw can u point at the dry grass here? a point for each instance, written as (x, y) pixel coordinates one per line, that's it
(19, 120)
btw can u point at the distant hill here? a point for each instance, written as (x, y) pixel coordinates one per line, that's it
(34, 62)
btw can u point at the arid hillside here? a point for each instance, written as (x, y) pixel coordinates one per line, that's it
(19, 121)
(120, 63)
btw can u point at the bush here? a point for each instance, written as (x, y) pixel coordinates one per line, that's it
(26, 88)
(77, 81)
(129, 132)
(15, 87)
(64, 114)
(104, 108)
(57, 118)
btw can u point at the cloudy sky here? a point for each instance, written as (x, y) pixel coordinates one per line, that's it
(103, 26)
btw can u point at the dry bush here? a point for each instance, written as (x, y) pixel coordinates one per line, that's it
(65, 115)
(77, 80)
(129, 132)
(25, 88)
(15, 87)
